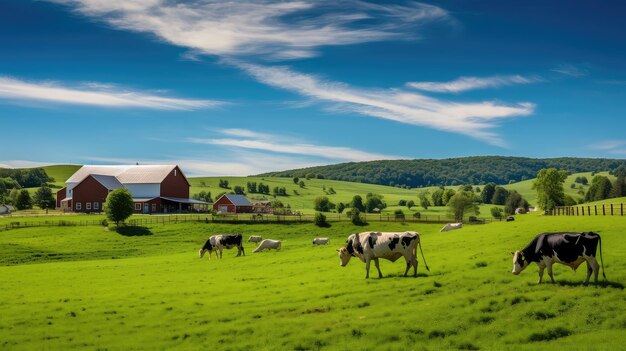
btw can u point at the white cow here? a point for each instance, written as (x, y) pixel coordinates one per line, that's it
(255, 239)
(368, 246)
(321, 241)
(268, 244)
(451, 226)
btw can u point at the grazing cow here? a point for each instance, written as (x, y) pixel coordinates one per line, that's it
(255, 239)
(510, 218)
(321, 241)
(571, 249)
(222, 241)
(368, 246)
(451, 226)
(268, 244)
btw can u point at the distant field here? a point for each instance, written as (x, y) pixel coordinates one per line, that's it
(84, 287)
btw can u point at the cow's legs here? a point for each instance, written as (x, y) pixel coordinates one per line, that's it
(380, 274)
(220, 250)
(541, 268)
(549, 266)
(367, 268)
(415, 266)
(592, 266)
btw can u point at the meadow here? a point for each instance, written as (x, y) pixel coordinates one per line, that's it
(146, 288)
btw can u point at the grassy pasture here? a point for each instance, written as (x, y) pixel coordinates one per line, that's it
(84, 287)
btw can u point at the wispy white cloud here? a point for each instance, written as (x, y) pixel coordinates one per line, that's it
(278, 144)
(93, 94)
(472, 119)
(472, 83)
(238, 164)
(275, 29)
(23, 164)
(570, 70)
(614, 147)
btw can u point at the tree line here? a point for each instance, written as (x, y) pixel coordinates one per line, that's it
(449, 172)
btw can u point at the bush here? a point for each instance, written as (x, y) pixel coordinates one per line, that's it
(497, 212)
(323, 204)
(119, 205)
(398, 214)
(320, 220)
(402, 203)
(417, 215)
(355, 217)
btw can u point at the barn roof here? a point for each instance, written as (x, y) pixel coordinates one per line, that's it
(238, 200)
(109, 182)
(125, 174)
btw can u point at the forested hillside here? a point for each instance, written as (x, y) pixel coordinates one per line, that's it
(452, 171)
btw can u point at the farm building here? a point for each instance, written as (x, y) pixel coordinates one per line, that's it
(154, 188)
(232, 203)
(6, 209)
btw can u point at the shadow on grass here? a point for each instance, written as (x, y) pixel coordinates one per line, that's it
(601, 284)
(133, 231)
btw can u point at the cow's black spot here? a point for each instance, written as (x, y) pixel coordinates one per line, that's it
(359, 247)
(371, 239)
(406, 241)
(349, 247)
(394, 242)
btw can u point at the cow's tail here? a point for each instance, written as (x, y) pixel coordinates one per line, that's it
(423, 258)
(601, 259)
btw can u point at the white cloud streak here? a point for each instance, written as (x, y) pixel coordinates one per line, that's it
(471, 83)
(614, 147)
(570, 70)
(472, 119)
(23, 164)
(273, 29)
(94, 94)
(277, 144)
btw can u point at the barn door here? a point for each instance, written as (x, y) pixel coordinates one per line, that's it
(146, 208)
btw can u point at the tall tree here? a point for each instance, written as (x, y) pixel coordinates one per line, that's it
(513, 202)
(119, 205)
(600, 189)
(461, 203)
(44, 198)
(549, 187)
(619, 186)
(499, 196)
(487, 194)
(23, 200)
(357, 202)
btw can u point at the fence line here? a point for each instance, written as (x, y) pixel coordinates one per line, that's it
(239, 218)
(590, 210)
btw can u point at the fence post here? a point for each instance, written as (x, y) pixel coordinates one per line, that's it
(621, 209)
(603, 211)
(611, 209)
(595, 210)
(577, 210)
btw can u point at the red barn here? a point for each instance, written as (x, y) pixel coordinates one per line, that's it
(232, 203)
(154, 188)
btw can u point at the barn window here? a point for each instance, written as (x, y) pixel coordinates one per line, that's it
(79, 206)
(88, 205)
(153, 207)
(137, 206)
(174, 172)
(96, 205)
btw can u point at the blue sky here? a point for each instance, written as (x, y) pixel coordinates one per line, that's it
(238, 88)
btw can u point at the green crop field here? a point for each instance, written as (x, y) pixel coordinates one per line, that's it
(88, 288)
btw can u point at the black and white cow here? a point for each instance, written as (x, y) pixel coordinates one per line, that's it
(222, 241)
(368, 246)
(571, 249)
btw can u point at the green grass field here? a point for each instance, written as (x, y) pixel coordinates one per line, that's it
(84, 287)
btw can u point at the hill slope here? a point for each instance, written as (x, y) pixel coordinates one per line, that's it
(451, 171)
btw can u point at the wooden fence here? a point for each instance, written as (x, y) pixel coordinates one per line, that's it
(590, 210)
(235, 218)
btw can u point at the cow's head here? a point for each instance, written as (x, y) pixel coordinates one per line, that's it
(344, 256)
(519, 262)
(201, 252)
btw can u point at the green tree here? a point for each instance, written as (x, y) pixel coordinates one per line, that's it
(600, 189)
(323, 204)
(301, 184)
(238, 190)
(23, 200)
(447, 195)
(411, 203)
(496, 212)
(119, 205)
(3, 192)
(402, 203)
(357, 203)
(296, 180)
(251, 186)
(619, 186)
(549, 187)
(513, 202)
(437, 197)
(320, 220)
(224, 184)
(355, 217)
(487, 194)
(499, 196)
(374, 201)
(569, 200)
(340, 207)
(331, 191)
(44, 198)
(461, 203)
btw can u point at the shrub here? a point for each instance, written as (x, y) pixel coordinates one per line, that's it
(417, 215)
(119, 205)
(398, 214)
(355, 217)
(496, 212)
(320, 220)
(402, 203)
